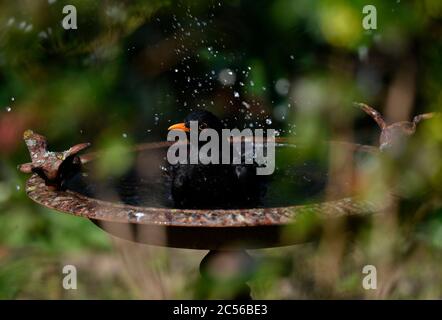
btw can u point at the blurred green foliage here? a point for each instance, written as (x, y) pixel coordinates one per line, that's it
(132, 67)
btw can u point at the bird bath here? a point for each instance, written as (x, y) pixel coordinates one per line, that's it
(136, 206)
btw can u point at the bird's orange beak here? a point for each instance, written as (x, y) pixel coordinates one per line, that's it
(179, 126)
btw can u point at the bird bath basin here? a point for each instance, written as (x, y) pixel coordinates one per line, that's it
(136, 205)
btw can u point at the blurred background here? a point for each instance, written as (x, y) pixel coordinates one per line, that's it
(132, 68)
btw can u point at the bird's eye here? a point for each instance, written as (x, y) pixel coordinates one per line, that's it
(202, 126)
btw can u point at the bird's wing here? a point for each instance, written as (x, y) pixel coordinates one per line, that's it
(372, 113)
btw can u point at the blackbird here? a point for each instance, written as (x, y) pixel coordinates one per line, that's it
(211, 186)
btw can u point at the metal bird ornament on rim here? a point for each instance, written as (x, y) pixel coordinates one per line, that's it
(393, 135)
(52, 167)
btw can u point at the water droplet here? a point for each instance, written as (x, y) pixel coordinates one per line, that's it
(29, 28)
(268, 121)
(292, 57)
(8, 109)
(282, 86)
(43, 34)
(124, 135)
(10, 22)
(139, 215)
(236, 94)
(227, 77)
(362, 53)
(17, 187)
(12, 99)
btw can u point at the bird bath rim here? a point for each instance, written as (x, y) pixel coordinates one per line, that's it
(73, 203)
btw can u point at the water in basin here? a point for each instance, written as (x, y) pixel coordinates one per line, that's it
(298, 179)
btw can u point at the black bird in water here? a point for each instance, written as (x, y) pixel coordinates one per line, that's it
(210, 186)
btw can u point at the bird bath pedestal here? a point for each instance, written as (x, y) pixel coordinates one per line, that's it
(134, 208)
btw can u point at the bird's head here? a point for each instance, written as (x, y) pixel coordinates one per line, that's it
(205, 120)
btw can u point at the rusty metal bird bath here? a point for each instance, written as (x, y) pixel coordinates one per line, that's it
(217, 230)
